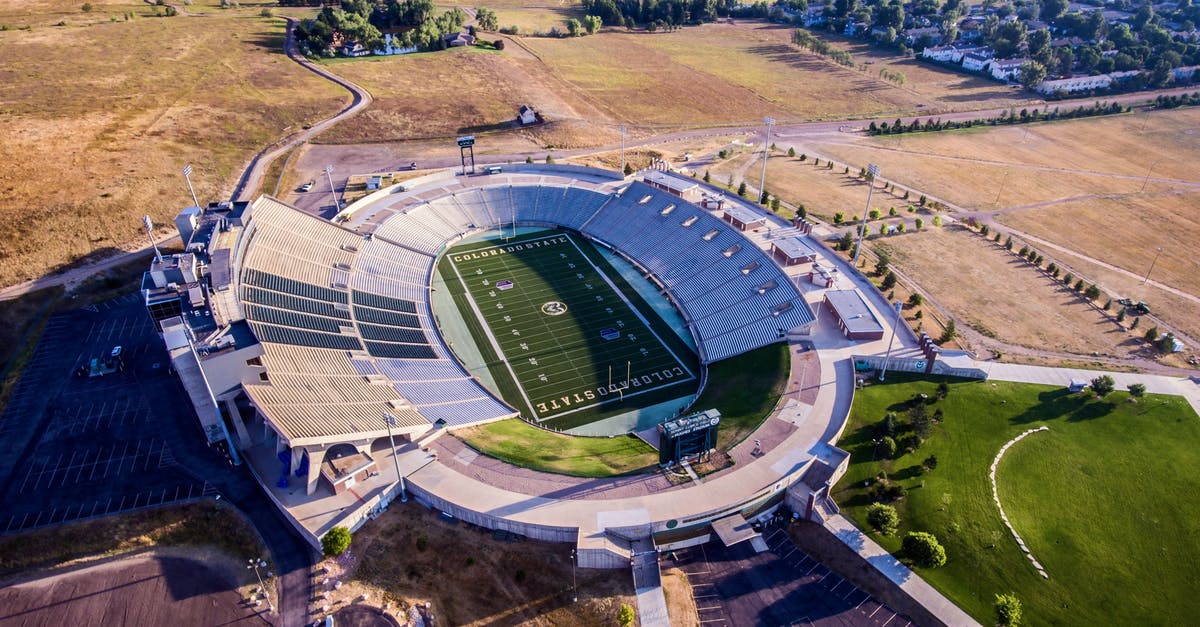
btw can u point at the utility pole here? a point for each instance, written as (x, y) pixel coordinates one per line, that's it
(1156, 254)
(872, 172)
(150, 232)
(256, 564)
(762, 180)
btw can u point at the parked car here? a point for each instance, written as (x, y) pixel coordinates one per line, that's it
(306, 187)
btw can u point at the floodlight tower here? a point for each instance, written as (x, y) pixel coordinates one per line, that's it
(872, 172)
(187, 176)
(888, 356)
(762, 180)
(390, 421)
(332, 191)
(622, 149)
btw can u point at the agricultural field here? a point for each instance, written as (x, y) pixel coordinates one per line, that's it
(530, 19)
(94, 141)
(567, 338)
(1097, 498)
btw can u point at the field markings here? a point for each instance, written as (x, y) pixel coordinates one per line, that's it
(550, 342)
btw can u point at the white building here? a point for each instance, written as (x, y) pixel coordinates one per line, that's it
(977, 61)
(1007, 69)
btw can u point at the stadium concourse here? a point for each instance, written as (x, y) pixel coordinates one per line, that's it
(309, 345)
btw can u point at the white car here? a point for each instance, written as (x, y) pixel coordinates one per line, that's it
(306, 187)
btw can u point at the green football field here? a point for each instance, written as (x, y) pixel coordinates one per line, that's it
(564, 335)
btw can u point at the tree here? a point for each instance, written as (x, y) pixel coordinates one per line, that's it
(1136, 322)
(937, 220)
(629, 170)
(592, 24)
(485, 18)
(801, 212)
(549, 159)
(883, 518)
(499, 44)
(625, 615)
(574, 27)
(886, 448)
(741, 190)
(889, 281)
(943, 390)
(915, 300)
(949, 334)
(763, 196)
(847, 241)
(335, 541)
(1067, 279)
(1093, 292)
(775, 204)
(1151, 334)
(930, 463)
(883, 263)
(804, 157)
(1079, 285)
(919, 223)
(839, 217)
(923, 549)
(1008, 610)
(1103, 385)
(1008, 242)
(1137, 390)
(791, 152)
(1121, 315)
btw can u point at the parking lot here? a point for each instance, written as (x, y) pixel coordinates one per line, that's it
(81, 446)
(782, 586)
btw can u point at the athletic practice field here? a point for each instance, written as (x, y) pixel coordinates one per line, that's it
(562, 332)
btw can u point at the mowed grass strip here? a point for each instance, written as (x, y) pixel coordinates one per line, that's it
(522, 444)
(745, 389)
(1102, 500)
(561, 361)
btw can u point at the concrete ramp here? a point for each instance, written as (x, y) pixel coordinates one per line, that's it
(647, 584)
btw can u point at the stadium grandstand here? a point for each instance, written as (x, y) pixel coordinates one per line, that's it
(316, 333)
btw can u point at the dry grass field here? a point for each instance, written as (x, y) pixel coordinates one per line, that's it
(98, 120)
(997, 294)
(1109, 189)
(411, 556)
(531, 19)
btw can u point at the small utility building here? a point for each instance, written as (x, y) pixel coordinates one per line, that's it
(743, 218)
(791, 251)
(683, 188)
(853, 316)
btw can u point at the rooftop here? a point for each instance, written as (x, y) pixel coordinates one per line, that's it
(742, 213)
(794, 247)
(669, 181)
(853, 311)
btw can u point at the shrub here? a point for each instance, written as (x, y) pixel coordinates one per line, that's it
(335, 541)
(741, 190)
(1008, 610)
(1151, 334)
(86, 8)
(499, 44)
(887, 426)
(549, 159)
(943, 390)
(886, 448)
(937, 220)
(910, 441)
(949, 334)
(1137, 390)
(920, 224)
(839, 217)
(924, 550)
(916, 300)
(930, 463)
(889, 280)
(266, 12)
(629, 170)
(528, 159)
(1068, 278)
(1103, 385)
(791, 152)
(883, 518)
(422, 543)
(625, 615)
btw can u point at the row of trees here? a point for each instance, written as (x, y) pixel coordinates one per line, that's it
(1172, 102)
(1008, 117)
(819, 46)
(660, 13)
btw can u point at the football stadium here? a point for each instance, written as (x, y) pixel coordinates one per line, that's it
(337, 358)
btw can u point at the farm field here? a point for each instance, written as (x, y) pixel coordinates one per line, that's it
(94, 141)
(562, 332)
(1097, 498)
(1001, 296)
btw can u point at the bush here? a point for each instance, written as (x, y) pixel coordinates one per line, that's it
(629, 170)
(923, 549)
(625, 615)
(886, 448)
(1137, 390)
(1151, 334)
(86, 8)
(422, 543)
(1008, 610)
(943, 390)
(499, 44)
(883, 518)
(839, 217)
(909, 442)
(916, 300)
(930, 463)
(1103, 385)
(266, 12)
(889, 280)
(335, 541)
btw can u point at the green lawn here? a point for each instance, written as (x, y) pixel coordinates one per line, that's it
(1103, 500)
(745, 389)
(566, 347)
(522, 444)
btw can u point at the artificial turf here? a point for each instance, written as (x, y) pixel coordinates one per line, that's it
(1105, 499)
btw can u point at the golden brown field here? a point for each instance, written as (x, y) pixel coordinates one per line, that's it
(996, 293)
(99, 119)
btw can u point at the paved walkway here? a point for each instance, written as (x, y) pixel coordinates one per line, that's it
(1155, 384)
(898, 573)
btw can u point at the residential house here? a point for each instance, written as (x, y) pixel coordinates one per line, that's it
(455, 40)
(1007, 69)
(354, 49)
(933, 33)
(976, 61)
(951, 54)
(814, 16)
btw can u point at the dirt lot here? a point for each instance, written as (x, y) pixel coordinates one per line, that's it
(94, 141)
(1002, 297)
(412, 555)
(155, 588)
(681, 606)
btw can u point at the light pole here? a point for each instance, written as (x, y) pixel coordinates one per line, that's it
(1146, 179)
(574, 588)
(150, 232)
(622, 149)
(872, 172)
(332, 192)
(256, 564)
(187, 176)
(888, 355)
(1157, 252)
(390, 421)
(762, 180)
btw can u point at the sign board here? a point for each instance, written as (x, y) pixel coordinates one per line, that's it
(466, 142)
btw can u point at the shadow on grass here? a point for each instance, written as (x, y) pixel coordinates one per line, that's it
(1092, 411)
(907, 473)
